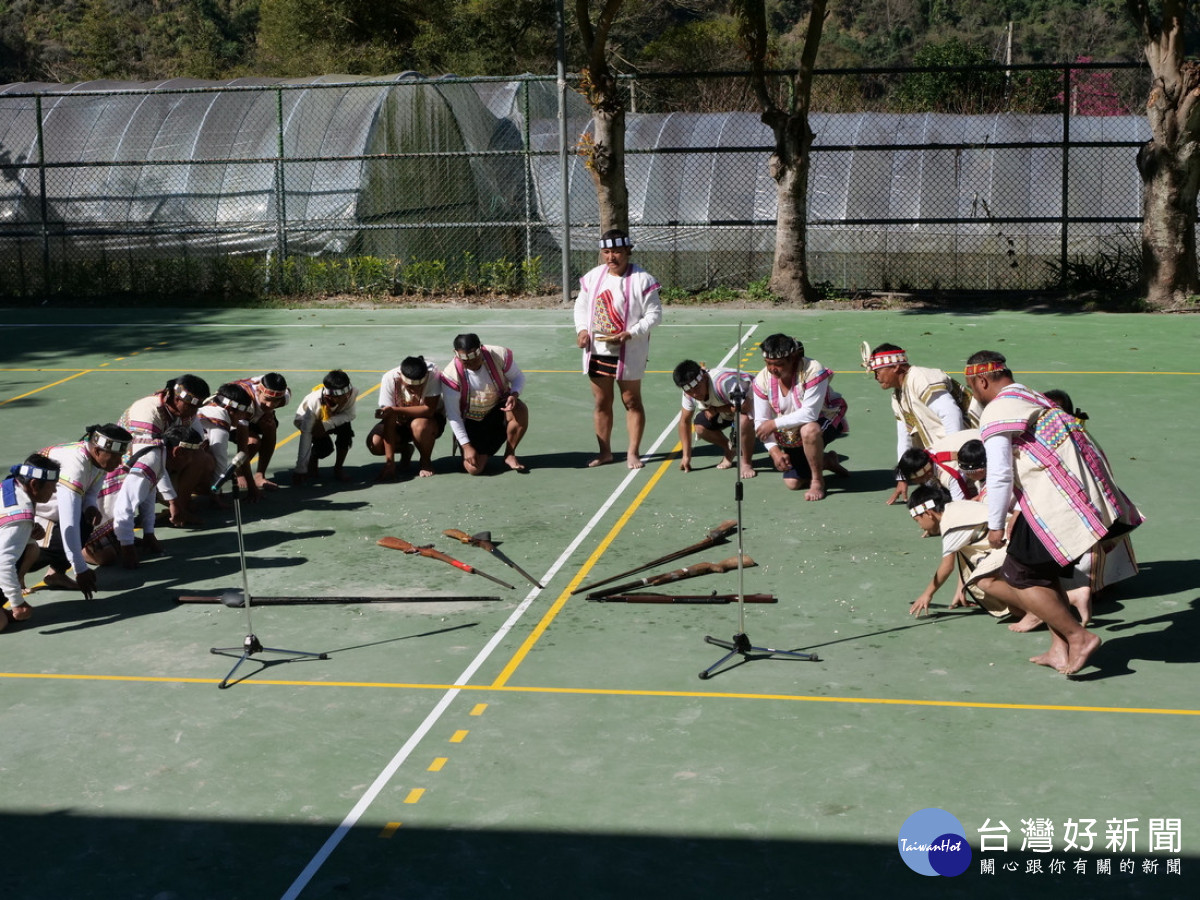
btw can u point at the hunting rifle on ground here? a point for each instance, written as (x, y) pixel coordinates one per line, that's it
(681, 598)
(483, 541)
(394, 543)
(716, 536)
(238, 602)
(692, 571)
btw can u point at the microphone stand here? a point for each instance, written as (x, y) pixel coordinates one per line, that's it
(251, 644)
(740, 644)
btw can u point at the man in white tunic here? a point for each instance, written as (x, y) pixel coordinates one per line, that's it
(616, 307)
(33, 481)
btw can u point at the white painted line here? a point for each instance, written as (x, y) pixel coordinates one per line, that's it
(443, 704)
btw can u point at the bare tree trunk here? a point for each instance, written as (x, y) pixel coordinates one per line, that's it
(789, 162)
(604, 154)
(789, 167)
(1169, 164)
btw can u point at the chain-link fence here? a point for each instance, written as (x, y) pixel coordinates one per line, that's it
(408, 184)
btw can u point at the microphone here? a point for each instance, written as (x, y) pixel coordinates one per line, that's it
(229, 473)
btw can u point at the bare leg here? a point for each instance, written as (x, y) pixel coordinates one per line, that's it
(424, 436)
(747, 438)
(718, 440)
(814, 452)
(635, 421)
(1071, 645)
(602, 418)
(517, 420)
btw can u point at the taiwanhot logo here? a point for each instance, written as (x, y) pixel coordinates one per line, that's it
(933, 842)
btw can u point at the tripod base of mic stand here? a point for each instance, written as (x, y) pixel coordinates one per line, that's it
(252, 645)
(741, 646)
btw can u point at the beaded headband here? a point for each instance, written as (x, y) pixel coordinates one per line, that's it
(882, 359)
(984, 368)
(614, 243)
(922, 508)
(791, 348)
(25, 470)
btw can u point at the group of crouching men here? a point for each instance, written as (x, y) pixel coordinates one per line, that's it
(75, 506)
(1031, 520)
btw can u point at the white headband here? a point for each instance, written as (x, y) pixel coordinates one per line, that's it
(615, 243)
(104, 442)
(338, 392)
(922, 508)
(469, 354)
(187, 396)
(25, 470)
(189, 445)
(695, 381)
(230, 403)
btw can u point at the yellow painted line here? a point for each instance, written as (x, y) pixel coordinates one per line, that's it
(44, 387)
(438, 764)
(414, 795)
(389, 829)
(459, 736)
(616, 692)
(478, 708)
(558, 604)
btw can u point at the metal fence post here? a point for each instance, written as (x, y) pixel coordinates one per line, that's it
(1066, 176)
(43, 203)
(281, 249)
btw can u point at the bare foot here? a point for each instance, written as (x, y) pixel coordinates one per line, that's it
(1055, 658)
(1080, 651)
(340, 474)
(726, 463)
(1027, 623)
(515, 464)
(60, 582)
(1081, 599)
(602, 460)
(833, 465)
(387, 473)
(748, 471)
(633, 460)
(816, 490)
(426, 470)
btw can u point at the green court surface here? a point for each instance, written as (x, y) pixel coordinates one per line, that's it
(464, 740)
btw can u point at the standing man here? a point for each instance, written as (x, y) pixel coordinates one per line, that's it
(616, 307)
(1068, 500)
(928, 404)
(410, 414)
(797, 414)
(712, 392)
(324, 421)
(32, 482)
(481, 388)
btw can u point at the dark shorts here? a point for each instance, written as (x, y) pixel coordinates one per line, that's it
(1027, 562)
(709, 419)
(404, 432)
(342, 437)
(799, 464)
(488, 434)
(603, 366)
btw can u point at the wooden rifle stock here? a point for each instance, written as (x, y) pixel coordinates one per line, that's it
(483, 541)
(716, 536)
(395, 543)
(693, 571)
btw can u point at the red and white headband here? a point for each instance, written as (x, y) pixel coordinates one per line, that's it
(984, 368)
(882, 359)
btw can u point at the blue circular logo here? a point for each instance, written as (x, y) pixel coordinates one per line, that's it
(933, 842)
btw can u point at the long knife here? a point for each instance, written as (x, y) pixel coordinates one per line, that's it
(483, 541)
